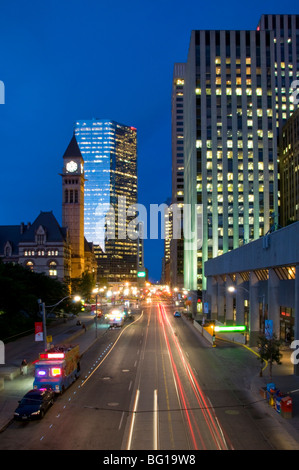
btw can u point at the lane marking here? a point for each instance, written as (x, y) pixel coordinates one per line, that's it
(121, 420)
(133, 419)
(155, 420)
(111, 349)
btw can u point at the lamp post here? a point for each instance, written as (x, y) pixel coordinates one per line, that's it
(42, 310)
(95, 291)
(244, 319)
(234, 289)
(43, 307)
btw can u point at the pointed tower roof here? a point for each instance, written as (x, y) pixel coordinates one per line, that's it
(73, 149)
(50, 225)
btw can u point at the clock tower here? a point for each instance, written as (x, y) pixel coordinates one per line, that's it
(73, 205)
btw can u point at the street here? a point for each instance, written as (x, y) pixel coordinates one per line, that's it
(153, 384)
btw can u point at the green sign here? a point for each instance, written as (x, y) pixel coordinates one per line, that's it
(229, 329)
(141, 274)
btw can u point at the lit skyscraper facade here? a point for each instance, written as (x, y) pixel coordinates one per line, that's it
(176, 256)
(285, 30)
(109, 150)
(236, 97)
(289, 171)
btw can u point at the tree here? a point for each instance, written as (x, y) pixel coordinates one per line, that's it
(84, 285)
(19, 294)
(269, 350)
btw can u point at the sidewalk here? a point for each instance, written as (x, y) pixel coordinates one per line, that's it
(16, 385)
(283, 432)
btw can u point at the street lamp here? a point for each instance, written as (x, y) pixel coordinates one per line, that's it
(43, 307)
(95, 291)
(234, 289)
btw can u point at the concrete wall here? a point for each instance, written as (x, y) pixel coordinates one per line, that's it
(280, 248)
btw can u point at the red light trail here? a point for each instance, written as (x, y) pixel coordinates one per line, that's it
(206, 409)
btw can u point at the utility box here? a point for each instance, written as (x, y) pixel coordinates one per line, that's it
(263, 392)
(286, 407)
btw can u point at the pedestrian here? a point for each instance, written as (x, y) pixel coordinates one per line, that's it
(24, 367)
(84, 327)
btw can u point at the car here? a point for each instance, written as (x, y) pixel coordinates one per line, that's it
(177, 314)
(34, 404)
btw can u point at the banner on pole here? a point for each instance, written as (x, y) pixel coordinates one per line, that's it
(39, 336)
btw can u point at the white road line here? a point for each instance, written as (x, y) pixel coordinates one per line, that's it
(133, 419)
(121, 420)
(155, 420)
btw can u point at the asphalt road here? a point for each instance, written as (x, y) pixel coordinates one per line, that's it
(154, 384)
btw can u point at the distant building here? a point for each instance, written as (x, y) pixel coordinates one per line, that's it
(43, 246)
(167, 234)
(289, 171)
(109, 151)
(46, 247)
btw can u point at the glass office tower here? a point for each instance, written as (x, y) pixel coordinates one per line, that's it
(109, 150)
(235, 98)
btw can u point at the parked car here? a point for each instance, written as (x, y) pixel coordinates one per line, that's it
(34, 404)
(177, 314)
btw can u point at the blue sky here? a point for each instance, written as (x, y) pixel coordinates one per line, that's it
(65, 60)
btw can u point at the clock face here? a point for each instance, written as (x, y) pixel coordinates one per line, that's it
(71, 166)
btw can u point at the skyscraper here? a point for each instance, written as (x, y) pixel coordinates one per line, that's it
(289, 171)
(109, 150)
(236, 97)
(177, 137)
(285, 31)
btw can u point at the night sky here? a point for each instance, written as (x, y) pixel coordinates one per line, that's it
(66, 60)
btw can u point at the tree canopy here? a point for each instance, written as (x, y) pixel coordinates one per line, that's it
(20, 290)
